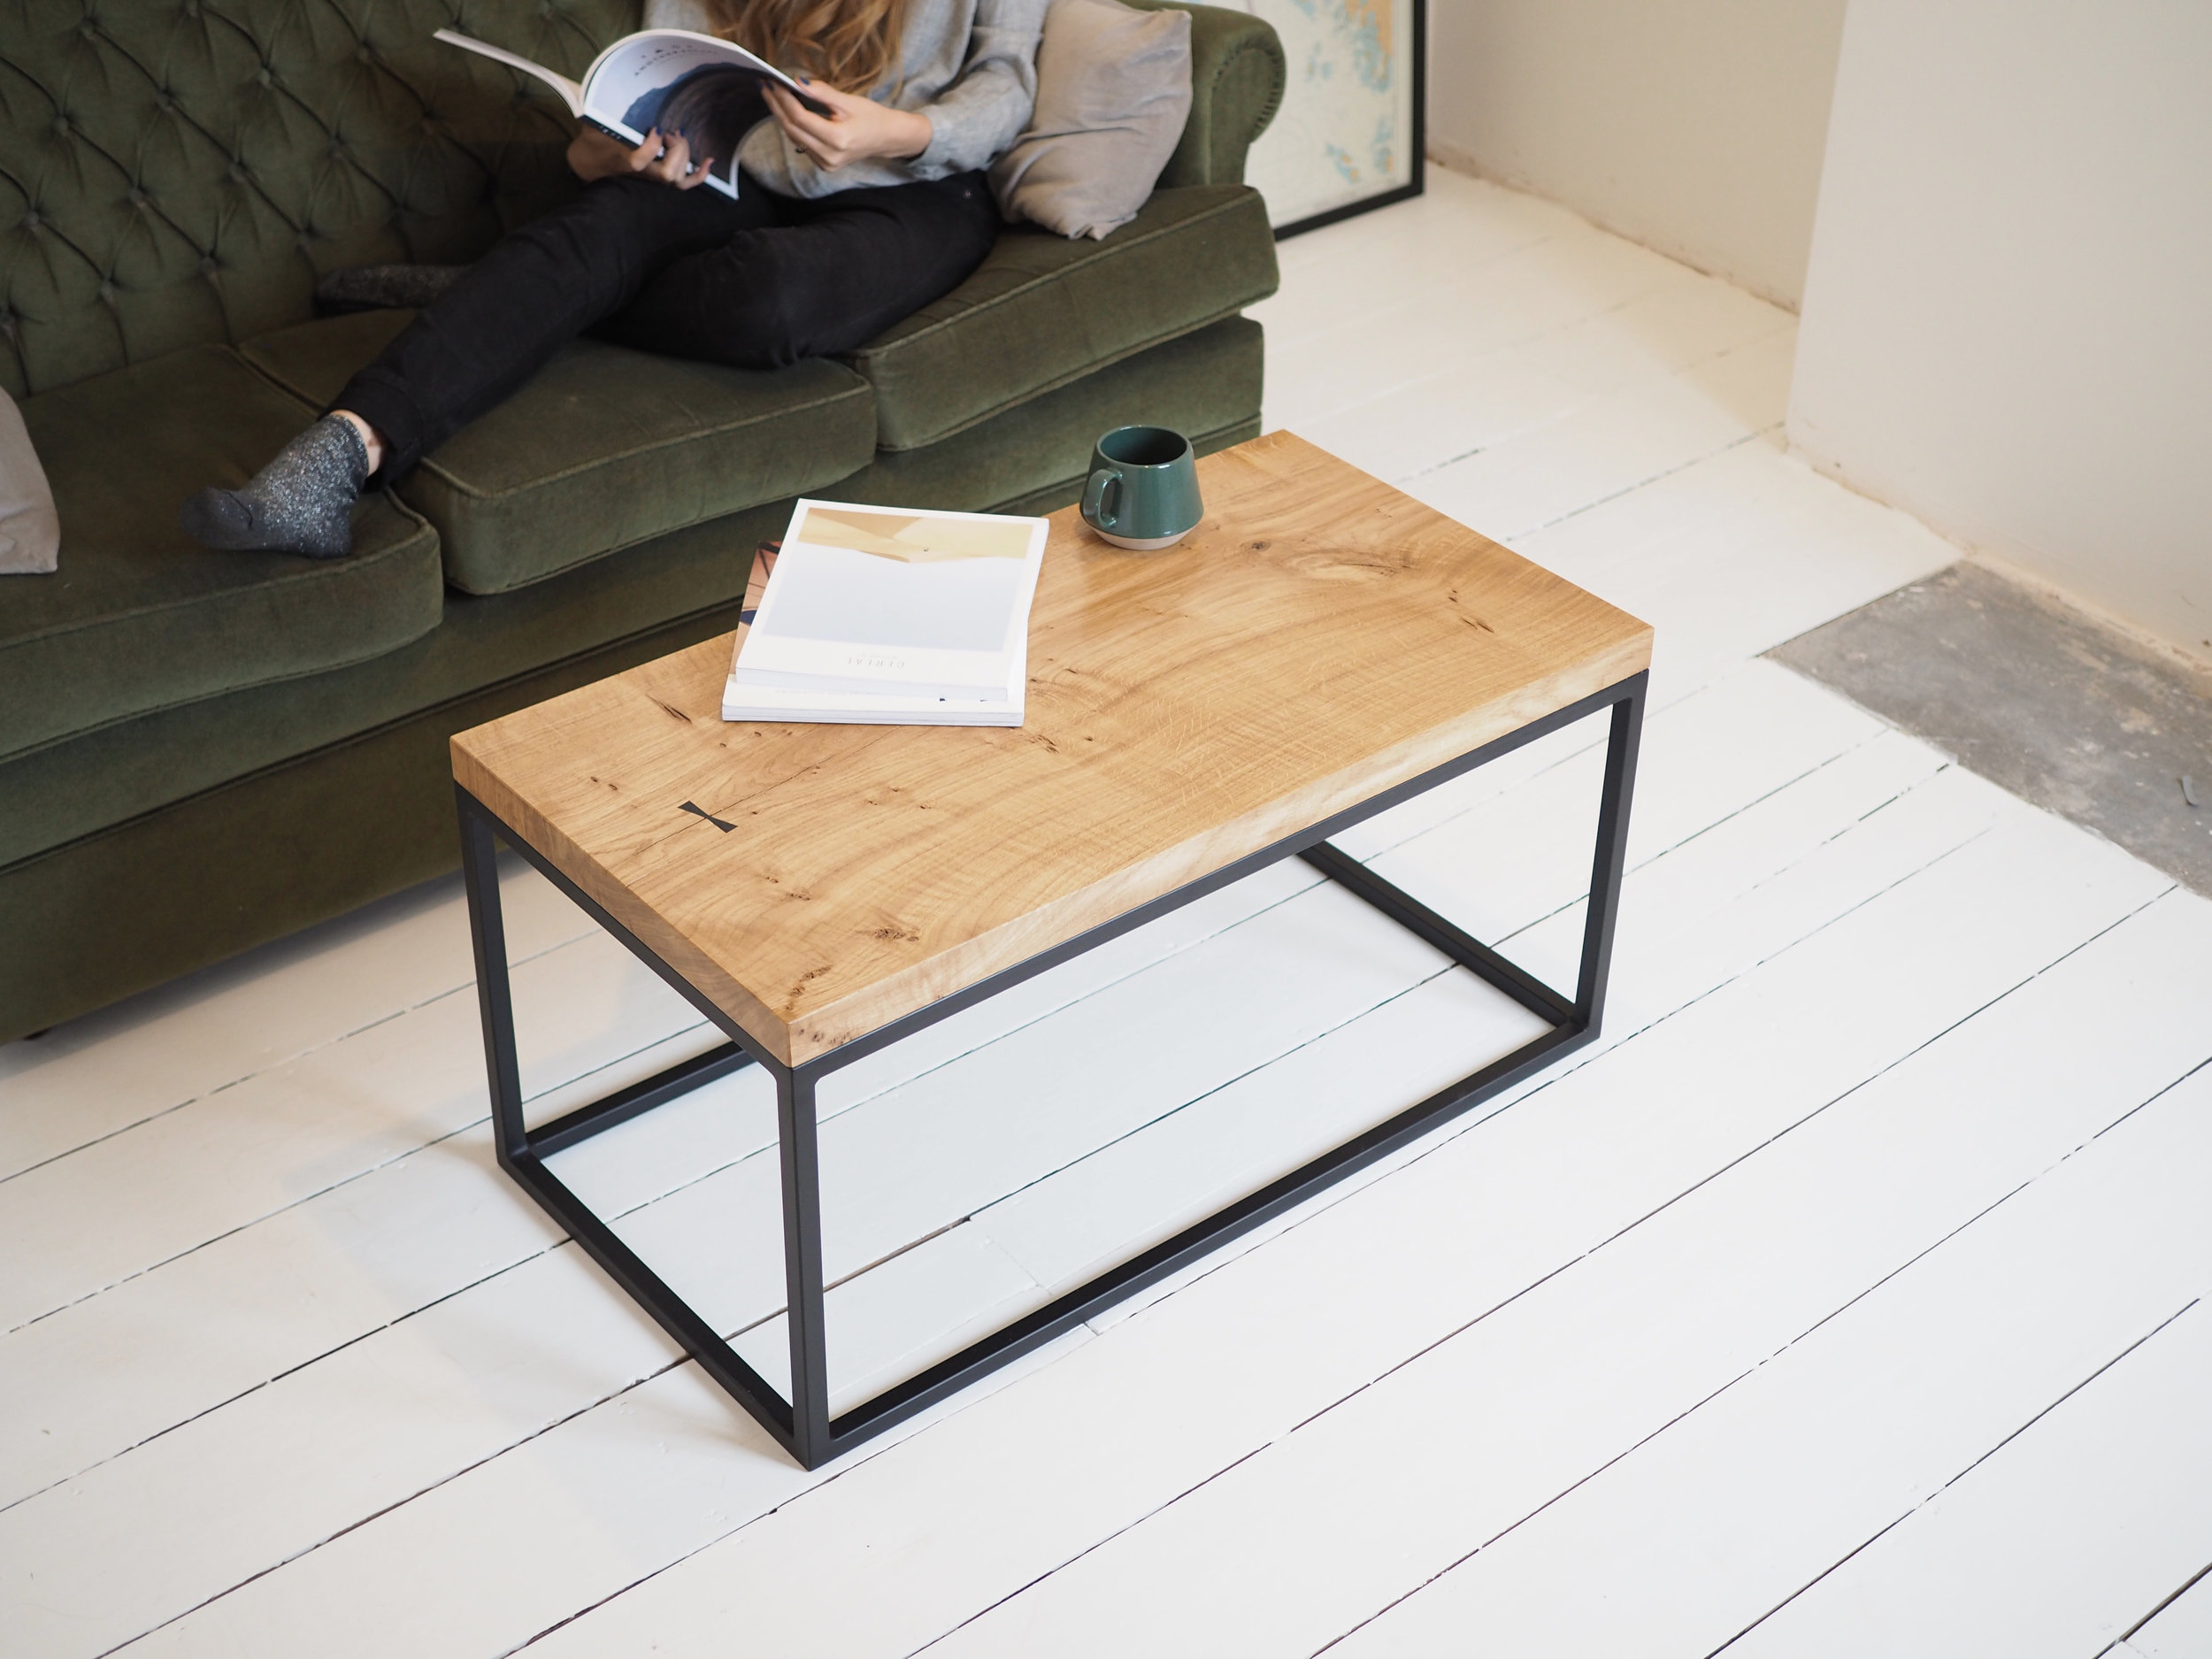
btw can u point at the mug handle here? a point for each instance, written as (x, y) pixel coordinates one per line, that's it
(1095, 498)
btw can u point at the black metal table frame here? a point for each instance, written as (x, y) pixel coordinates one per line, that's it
(802, 1424)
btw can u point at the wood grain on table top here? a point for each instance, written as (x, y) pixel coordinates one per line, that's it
(1319, 638)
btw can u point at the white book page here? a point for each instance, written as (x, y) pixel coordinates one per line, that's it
(657, 57)
(849, 598)
(932, 602)
(671, 79)
(571, 93)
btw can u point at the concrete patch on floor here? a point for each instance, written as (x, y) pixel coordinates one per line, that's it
(2054, 705)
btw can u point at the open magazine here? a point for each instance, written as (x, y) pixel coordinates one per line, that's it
(674, 80)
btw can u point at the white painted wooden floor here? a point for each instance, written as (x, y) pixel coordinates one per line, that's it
(1845, 1301)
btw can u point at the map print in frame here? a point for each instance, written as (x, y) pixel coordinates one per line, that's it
(1348, 136)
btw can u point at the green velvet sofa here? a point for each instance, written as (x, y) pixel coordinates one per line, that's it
(200, 752)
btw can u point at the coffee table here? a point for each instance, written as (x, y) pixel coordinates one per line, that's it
(1321, 648)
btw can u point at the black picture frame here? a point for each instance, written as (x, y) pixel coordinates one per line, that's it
(1416, 172)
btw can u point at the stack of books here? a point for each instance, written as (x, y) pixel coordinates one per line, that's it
(873, 616)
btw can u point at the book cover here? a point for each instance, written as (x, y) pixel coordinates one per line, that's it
(744, 701)
(896, 602)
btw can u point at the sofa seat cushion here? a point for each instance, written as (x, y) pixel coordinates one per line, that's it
(603, 449)
(139, 618)
(1042, 311)
(492, 655)
(1034, 459)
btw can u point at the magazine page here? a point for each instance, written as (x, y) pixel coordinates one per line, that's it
(571, 93)
(913, 602)
(678, 81)
(743, 702)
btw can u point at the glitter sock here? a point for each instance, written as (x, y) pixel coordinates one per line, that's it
(301, 502)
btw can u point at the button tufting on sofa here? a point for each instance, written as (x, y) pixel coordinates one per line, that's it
(173, 181)
(166, 99)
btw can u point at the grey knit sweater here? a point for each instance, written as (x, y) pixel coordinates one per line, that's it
(970, 66)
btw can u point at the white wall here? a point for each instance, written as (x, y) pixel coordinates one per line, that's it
(2008, 322)
(1692, 126)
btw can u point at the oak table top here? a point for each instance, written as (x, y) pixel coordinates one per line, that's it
(1320, 638)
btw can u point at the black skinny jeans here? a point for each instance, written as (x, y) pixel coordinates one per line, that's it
(757, 283)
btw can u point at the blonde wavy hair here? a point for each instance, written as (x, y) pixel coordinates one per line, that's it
(849, 43)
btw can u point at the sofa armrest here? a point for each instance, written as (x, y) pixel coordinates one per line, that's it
(1237, 75)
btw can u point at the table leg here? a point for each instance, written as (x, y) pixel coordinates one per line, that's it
(803, 1423)
(494, 998)
(1622, 743)
(803, 1265)
(522, 1151)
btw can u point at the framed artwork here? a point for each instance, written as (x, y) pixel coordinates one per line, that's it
(1348, 136)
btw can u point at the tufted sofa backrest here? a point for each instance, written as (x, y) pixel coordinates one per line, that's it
(174, 171)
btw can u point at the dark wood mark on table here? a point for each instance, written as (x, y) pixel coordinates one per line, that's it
(692, 806)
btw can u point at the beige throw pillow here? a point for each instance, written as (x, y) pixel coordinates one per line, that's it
(30, 530)
(1113, 91)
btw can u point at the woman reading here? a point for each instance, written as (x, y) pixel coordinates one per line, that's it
(843, 224)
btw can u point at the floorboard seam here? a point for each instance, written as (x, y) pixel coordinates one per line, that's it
(1088, 1549)
(1585, 1255)
(275, 1065)
(1753, 1369)
(1733, 443)
(397, 1503)
(1932, 1497)
(563, 1242)
(253, 1221)
(1445, 1134)
(2194, 1579)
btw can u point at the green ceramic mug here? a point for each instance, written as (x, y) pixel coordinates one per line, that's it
(1142, 492)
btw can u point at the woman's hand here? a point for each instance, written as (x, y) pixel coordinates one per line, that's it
(593, 154)
(855, 128)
